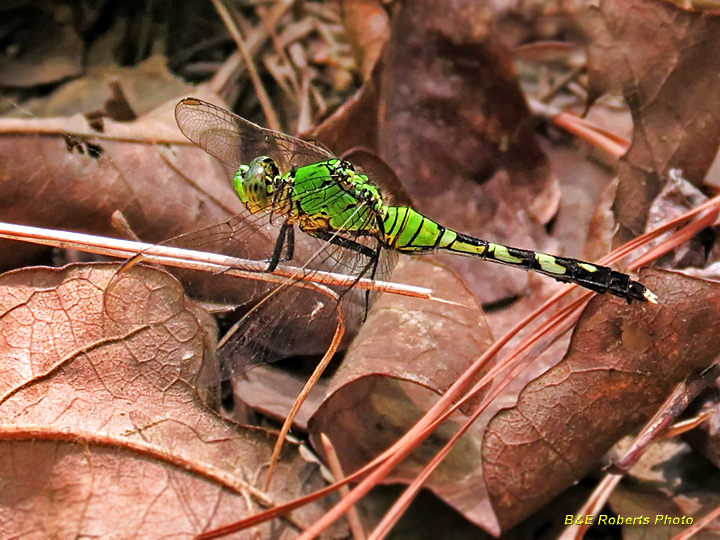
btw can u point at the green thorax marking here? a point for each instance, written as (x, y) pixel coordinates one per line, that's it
(328, 196)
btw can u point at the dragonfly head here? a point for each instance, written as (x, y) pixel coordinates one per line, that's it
(254, 183)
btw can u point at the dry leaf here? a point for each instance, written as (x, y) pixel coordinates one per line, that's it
(75, 183)
(409, 351)
(98, 411)
(451, 116)
(368, 28)
(659, 56)
(622, 362)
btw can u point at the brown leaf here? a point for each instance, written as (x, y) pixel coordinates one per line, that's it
(583, 183)
(449, 82)
(144, 87)
(76, 183)
(351, 132)
(622, 362)
(669, 485)
(354, 123)
(98, 411)
(273, 392)
(368, 28)
(487, 212)
(408, 351)
(659, 56)
(452, 115)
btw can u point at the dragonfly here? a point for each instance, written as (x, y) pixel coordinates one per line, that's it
(312, 194)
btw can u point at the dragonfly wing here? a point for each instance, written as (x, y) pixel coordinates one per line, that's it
(278, 321)
(293, 152)
(356, 301)
(213, 129)
(245, 236)
(235, 141)
(295, 319)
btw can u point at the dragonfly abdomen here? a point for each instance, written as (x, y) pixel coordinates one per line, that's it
(600, 279)
(410, 232)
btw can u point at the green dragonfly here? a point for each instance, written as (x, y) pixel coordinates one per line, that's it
(301, 185)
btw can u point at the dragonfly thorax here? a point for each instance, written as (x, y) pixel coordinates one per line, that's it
(255, 183)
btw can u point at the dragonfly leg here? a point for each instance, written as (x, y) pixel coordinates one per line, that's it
(346, 243)
(285, 237)
(375, 261)
(373, 256)
(290, 244)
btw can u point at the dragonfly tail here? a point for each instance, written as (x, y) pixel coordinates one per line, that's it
(600, 279)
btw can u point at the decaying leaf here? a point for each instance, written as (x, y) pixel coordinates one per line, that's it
(622, 362)
(367, 26)
(98, 404)
(61, 173)
(452, 116)
(409, 351)
(98, 411)
(660, 57)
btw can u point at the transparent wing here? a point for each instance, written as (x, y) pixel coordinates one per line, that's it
(235, 141)
(284, 320)
(294, 320)
(276, 321)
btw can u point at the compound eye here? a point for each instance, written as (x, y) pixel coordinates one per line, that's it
(256, 172)
(270, 166)
(255, 183)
